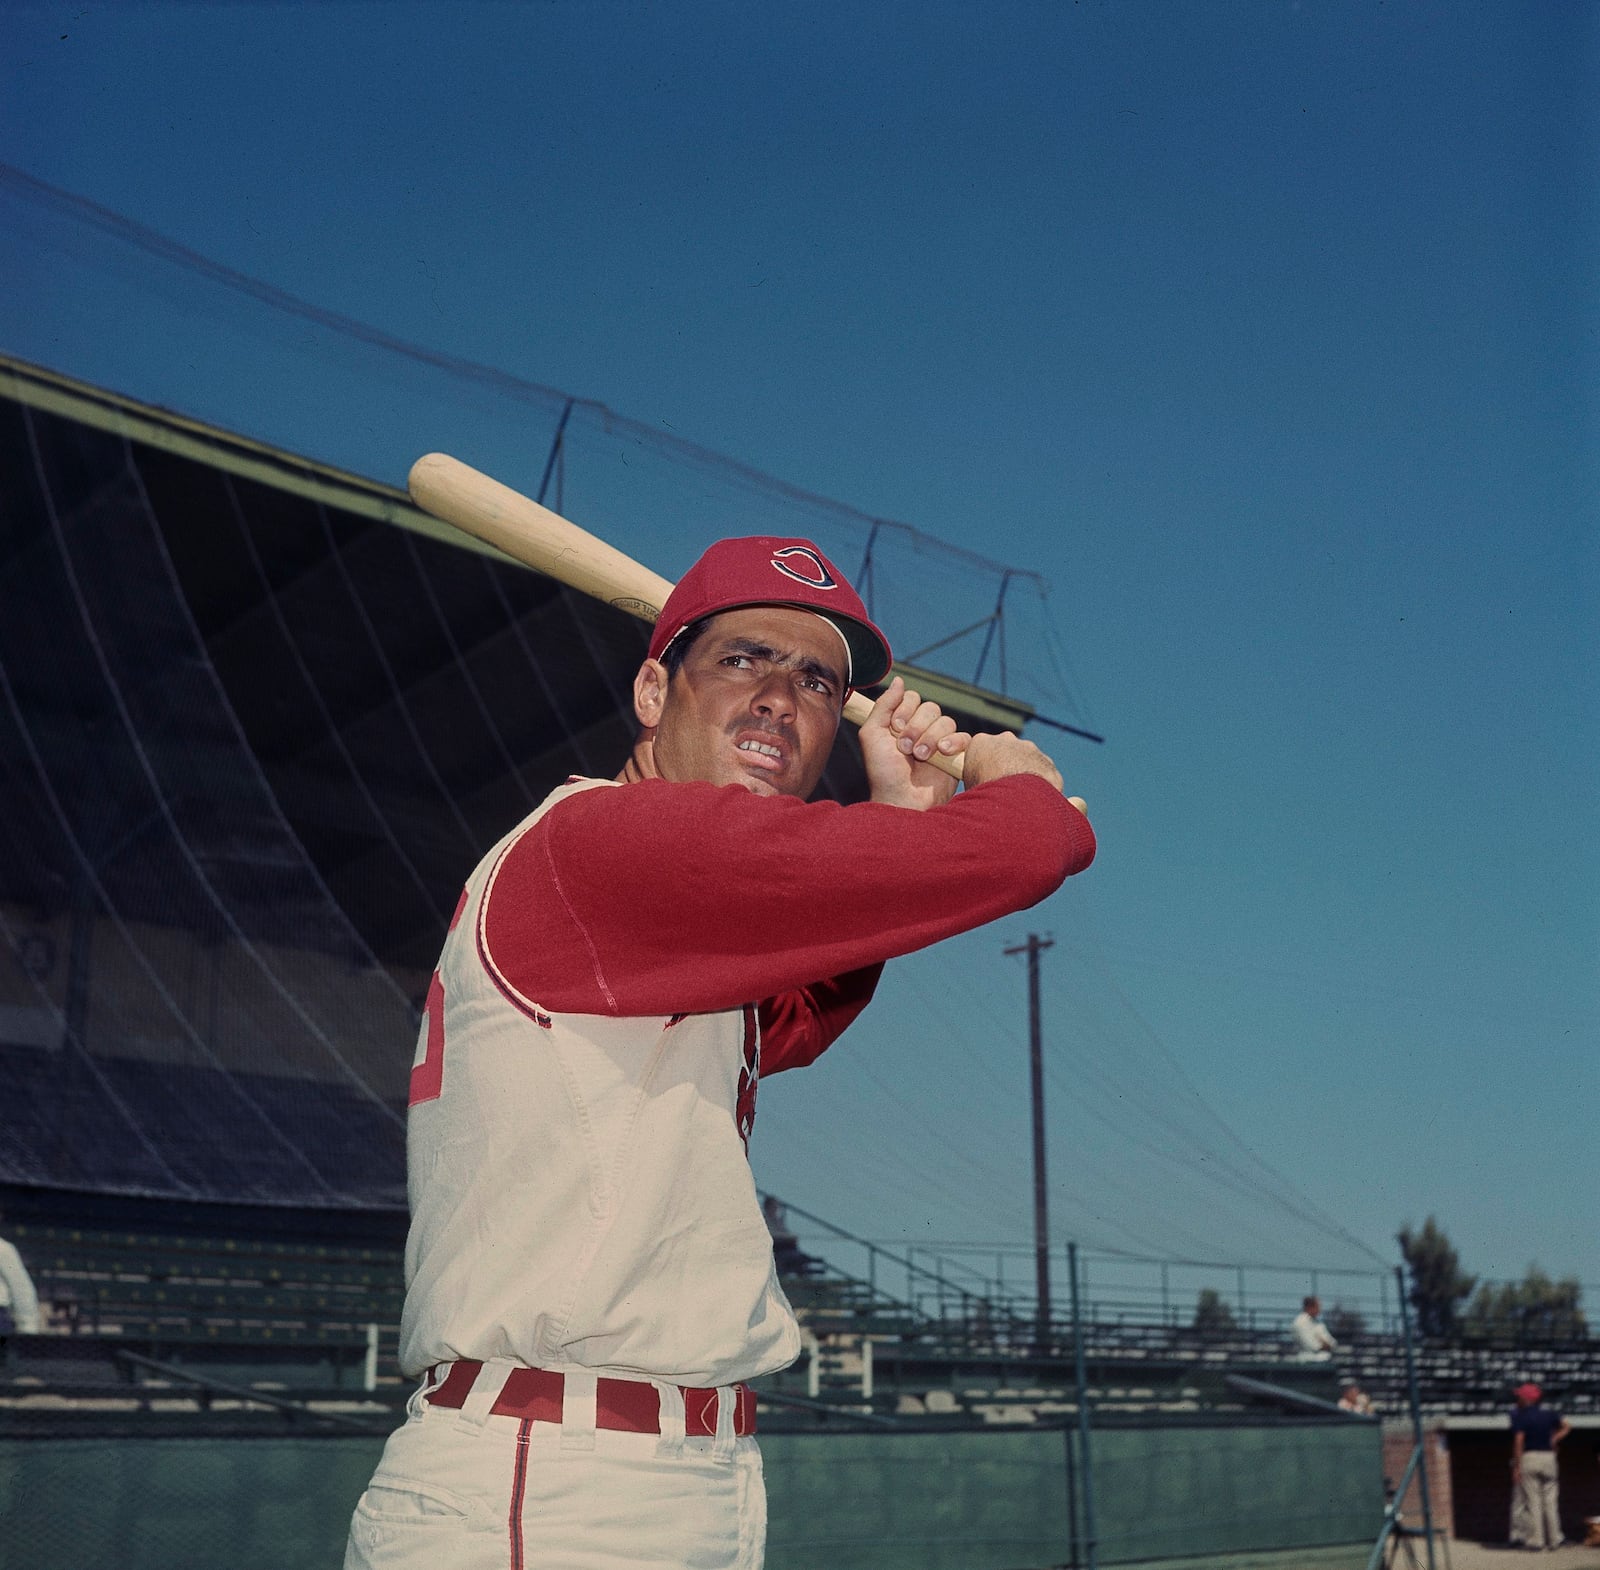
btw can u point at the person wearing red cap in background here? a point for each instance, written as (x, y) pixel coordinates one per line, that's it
(590, 1280)
(1536, 1431)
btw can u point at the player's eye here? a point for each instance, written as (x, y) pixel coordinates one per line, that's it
(739, 661)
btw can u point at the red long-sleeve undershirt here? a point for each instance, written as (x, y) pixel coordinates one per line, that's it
(659, 898)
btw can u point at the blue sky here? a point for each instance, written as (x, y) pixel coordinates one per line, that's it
(1265, 332)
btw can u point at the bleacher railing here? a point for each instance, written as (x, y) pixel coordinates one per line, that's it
(957, 1283)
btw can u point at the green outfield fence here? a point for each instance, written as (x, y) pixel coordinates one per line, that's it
(996, 1499)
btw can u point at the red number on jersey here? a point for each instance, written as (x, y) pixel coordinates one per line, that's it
(749, 1076)
(427, 1075)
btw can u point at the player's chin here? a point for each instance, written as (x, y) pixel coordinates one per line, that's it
(762, 785)
(757, 781)
(781, 784)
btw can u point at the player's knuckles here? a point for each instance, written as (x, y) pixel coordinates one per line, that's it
(921, 718)
(931, 734)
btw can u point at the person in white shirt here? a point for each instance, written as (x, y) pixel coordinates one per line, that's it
(19, 1303)
(1312, 1337)
(1354, 1399)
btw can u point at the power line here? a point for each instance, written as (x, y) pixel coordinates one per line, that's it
(1302, 1206)
(560, 403)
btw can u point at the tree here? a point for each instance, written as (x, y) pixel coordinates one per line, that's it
(1212, 1316)
(1532, 1309)
(1437, 1281)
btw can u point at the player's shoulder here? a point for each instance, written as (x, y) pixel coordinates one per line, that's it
(515, 843)
(656, 798)
(574, 787)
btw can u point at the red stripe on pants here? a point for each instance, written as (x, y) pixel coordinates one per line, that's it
(519, 1484)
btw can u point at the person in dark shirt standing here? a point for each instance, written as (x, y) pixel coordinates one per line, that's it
(1536, 1431)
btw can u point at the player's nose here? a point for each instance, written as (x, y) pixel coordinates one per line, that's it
(775, 696)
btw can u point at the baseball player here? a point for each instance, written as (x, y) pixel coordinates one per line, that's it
(590, 1280)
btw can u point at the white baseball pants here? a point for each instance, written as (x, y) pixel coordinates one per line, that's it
(473, 1490)
(1538, 1488)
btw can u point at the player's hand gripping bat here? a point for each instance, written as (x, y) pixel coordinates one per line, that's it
(530, 533)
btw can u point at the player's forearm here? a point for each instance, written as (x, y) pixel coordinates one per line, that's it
(782, 893)
(658, 898)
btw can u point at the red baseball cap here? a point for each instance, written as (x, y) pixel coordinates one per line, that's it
(767, 569)
(1529, 1392)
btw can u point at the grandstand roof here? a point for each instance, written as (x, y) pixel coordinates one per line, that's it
(252, 737)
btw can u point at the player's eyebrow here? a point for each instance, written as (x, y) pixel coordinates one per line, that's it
(764, 651)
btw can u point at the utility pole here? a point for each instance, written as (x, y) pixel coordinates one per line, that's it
(1041, 1225)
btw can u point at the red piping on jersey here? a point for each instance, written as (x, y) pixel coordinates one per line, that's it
(490, 969)
(583, 931)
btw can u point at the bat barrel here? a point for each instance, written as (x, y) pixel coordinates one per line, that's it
(530, 533)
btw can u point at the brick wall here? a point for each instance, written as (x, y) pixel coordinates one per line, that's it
(1398, 1443)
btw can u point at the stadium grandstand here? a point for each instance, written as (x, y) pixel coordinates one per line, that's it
(253, 729)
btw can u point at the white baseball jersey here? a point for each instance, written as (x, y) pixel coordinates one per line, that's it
(585, 1076)
(580, 1192)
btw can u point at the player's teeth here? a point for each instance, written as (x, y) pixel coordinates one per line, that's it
(756, 746)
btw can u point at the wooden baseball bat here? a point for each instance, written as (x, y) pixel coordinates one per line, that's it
(530, 533)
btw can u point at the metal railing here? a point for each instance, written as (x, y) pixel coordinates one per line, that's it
(995, 1284)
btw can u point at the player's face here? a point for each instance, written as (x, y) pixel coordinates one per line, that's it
(755, 703)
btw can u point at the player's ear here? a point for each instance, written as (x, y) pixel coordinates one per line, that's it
(650, 693)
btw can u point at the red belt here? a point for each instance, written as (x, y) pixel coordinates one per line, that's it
(632, 1406)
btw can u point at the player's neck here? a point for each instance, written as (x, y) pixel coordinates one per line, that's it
(640, 764)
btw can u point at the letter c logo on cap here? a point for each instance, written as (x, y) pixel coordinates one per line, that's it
(803, 564)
